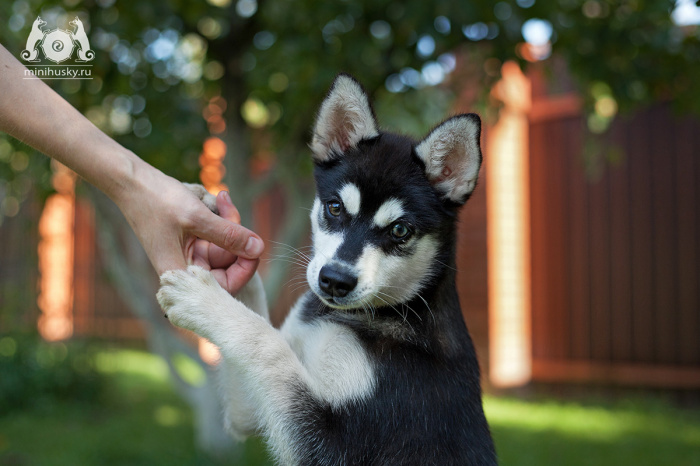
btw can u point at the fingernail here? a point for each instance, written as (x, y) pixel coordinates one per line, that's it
(227, 197)
(254, 247)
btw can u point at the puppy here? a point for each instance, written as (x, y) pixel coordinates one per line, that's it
(374, 364)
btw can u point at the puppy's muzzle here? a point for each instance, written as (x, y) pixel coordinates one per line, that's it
(336, 281)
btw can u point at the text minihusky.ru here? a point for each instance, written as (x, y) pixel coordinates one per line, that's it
(63, 72)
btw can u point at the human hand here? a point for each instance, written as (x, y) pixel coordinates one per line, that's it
(230, 270)
(177, 229)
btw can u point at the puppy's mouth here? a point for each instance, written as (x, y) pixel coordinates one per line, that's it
(338, 302)
(350, 302)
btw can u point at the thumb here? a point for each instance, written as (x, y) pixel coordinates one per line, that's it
(229, 236)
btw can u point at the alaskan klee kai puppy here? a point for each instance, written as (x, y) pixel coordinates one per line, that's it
(374, 365)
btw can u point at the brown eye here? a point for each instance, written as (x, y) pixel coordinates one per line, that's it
(400, 231)
(334, 208)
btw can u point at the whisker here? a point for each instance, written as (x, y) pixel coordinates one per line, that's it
(291, 257)
(428, 306)
(417, 295)
(448, 266)
(297, 288)
(405, 305)
(295, 281)
(296, 250)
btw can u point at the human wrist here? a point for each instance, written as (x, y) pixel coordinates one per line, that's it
(129, 180)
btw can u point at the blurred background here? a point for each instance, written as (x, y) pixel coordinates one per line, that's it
(579, 253)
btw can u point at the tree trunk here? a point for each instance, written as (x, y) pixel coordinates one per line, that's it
(128, 265)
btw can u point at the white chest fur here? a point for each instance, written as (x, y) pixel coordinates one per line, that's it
(338, 367)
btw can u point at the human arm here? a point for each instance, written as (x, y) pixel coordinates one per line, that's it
(166, 217)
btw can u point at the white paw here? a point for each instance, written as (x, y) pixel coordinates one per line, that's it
(190, 297)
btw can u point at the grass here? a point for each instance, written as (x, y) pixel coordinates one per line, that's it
(142, 422)
(641, 432)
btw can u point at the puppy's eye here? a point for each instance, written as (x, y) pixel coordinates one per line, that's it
(334, 208)
(399, 231)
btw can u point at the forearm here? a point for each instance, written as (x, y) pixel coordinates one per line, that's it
(166, 217)
(61, 132)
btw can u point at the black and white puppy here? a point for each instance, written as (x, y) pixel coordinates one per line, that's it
(374, 365)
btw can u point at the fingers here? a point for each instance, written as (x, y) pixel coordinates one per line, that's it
(226, 248)
(239, 274)
(226, 208)
(219, 258)
(228, 235)
(200, 254)
(235, 277)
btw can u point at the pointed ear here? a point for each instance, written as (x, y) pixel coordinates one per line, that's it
(452, 156)
(345, 118)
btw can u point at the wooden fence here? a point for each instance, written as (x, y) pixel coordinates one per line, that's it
(615, 234)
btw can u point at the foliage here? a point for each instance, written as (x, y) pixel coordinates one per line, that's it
(158, 64)
(36, 373)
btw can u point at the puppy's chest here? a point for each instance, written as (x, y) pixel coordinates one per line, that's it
(338, 366)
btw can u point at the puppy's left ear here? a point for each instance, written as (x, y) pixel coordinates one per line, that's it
(345, 118)
(452, 156)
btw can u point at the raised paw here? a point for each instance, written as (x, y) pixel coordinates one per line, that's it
(191, 298)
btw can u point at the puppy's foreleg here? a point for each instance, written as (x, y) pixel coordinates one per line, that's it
(252, 295)
(273, 375)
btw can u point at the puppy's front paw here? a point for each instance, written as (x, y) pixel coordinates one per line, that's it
(187, 296)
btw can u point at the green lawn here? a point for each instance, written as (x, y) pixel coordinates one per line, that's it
(642, 432)
(142, 422)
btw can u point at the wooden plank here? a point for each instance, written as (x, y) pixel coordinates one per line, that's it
(641, 240)
(83, 266)
(539, 239)
(555, 108)
(637, 375)
(599, 271)
(472, 283)
(688, 229)
(620, 251)
(556, 250)
(579, 247)
(664, 225)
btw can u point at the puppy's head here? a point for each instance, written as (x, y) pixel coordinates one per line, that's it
(383, 218)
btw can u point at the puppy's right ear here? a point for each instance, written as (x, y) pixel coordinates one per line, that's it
(345, 118)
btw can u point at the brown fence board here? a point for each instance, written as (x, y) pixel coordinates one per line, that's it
(83, 267)
(642, 226)
(599, 271)
(620, 252)
(472, 282)
(664, 205)
(687, 218)
(539, 238)
(579, 246)
(651, 375)
(555, 249)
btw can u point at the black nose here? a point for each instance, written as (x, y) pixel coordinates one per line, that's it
(336, 281)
